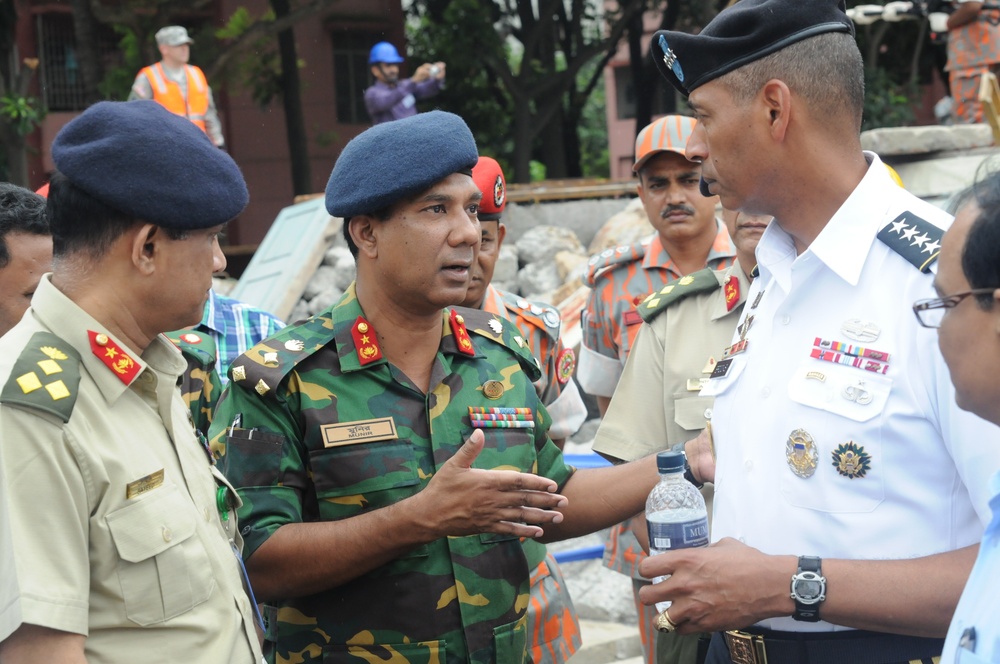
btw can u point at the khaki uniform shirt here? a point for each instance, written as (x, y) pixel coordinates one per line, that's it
(10, 606)
(113, 502)
(656, 404)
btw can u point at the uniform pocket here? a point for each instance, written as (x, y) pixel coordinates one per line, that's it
(164, 569)
(505, 449)
(511, 642)
(846, 391)
(692, 412)
(350, 479)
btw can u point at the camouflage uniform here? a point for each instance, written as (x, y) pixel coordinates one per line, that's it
(973, 50)
(200, 386)
(331, 430)
(621, 279)
(552, 620)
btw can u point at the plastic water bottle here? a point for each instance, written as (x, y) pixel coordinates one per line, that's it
(676, 517)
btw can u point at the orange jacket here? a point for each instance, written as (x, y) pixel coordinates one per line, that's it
(169, 95)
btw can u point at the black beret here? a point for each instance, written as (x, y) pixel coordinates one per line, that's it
(393, 160)
(143, 160)
(740, 34)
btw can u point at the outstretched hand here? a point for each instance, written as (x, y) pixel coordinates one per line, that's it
(463, 500)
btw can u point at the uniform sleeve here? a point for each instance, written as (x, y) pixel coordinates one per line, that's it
(599, 367)
(141, 89)
(49, 520)
(634, 426)
(263, 458)
(428, 88)
(213, 125)
(550, 458)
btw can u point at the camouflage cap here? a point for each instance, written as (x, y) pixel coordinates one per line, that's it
(173, 35)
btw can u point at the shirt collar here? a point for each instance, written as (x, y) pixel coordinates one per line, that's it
(71, 323)
(493, 303)
(213, 318)
(722, 249)
(853, 226)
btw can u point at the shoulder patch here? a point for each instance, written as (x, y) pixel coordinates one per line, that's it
(702, 281)
(503, 332)
(608, 259)
(196, 345)
(915, 239)
(45, 377)
(543, 316)
(265, 365)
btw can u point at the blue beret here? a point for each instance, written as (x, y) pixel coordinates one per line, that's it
(143, 160)
(740, 34)
(393, 160)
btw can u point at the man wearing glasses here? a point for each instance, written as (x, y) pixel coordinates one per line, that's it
(968, 321)
(851, 491)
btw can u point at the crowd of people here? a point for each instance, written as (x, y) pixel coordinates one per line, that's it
(185, 478)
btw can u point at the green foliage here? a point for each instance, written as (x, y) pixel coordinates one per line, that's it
(22, 114)
(537, 171)
(258, 70)
(118, 80)
(887, 102)
(593, 130)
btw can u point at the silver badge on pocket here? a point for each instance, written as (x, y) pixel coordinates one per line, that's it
(800, 450)
(860, 330)
(857, 393)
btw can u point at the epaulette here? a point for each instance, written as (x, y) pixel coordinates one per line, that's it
(265, 365)
(915, 239)
(539, 314)
(195, 345)
(611, 258)
(701, 281)
(503, 332)
(45, 377)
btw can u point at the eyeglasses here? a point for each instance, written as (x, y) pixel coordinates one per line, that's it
(931, 312)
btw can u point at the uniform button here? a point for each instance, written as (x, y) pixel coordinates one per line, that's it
(765, 392)
(147, 377)
(748, 464)
(708, 413)
(785, 320)
(167, 534)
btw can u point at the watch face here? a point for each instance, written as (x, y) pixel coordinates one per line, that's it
(807, 589)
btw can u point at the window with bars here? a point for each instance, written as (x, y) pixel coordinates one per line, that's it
(61, 78)
(351, 75)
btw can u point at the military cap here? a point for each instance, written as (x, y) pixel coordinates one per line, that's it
(173, 35)
(143, 160)
(741, 34)
(393, 160)
(488, 176)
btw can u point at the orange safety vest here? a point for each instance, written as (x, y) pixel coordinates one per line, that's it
(169, 95)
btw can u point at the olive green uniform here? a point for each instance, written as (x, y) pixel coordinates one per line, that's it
(113, 502)
(688, 324)
(327, 429)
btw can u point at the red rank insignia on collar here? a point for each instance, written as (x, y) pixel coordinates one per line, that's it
(365, 341)
(732, 288)
(462, 339)
(113, 356)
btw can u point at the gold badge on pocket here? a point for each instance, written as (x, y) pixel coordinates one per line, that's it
(144, 484)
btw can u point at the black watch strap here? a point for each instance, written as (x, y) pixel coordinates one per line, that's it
(810, 567)
(688, 474)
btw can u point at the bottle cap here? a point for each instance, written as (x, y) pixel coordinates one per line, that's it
(668, 462)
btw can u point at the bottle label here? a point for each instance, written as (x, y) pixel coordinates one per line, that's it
(663, 536)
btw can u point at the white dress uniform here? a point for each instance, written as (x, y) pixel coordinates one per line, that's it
(836, 428)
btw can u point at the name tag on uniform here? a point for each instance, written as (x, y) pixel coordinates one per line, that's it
(631, 318)
(362, 431)
(144, 484)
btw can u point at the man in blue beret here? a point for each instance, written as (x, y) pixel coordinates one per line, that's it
(123, 531)
(851, 492)
(391, 450)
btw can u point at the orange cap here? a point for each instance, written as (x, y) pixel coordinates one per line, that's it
(667, 134)
(488, 176)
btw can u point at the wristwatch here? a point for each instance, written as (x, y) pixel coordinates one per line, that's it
(808, 589)
(688, 473)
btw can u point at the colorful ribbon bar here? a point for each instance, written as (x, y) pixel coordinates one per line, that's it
(849, 360)
(850, 349)
(491, 424)
(502, 417)
(500, 410)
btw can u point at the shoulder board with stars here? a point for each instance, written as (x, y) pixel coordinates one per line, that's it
(915, 239)
(45, 377)
(503, 332)
(263, 367)
(702, 281)
(539, 314)
(195, 345)
(608, 259)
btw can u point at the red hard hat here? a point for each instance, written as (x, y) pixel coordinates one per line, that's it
(488, 176)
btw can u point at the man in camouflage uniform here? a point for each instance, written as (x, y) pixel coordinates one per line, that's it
(201, 385)
(553, 628)
(373, 530)
(688, 325)
(688, 238)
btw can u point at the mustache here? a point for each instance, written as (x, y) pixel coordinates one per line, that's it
(670, 209)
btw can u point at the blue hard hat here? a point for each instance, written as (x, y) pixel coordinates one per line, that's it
(384, 52)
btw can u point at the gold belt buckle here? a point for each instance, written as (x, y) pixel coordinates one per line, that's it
(746, 648)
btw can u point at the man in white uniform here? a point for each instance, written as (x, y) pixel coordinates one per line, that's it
(851, 492)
